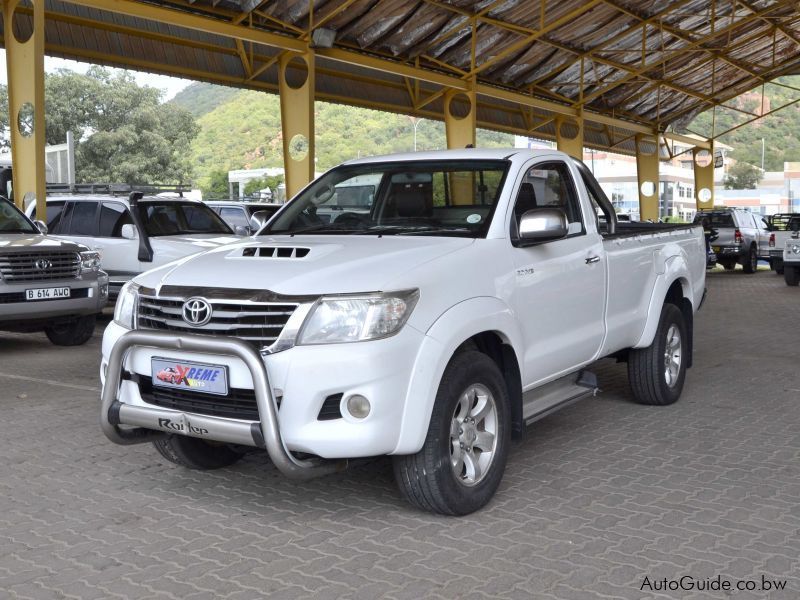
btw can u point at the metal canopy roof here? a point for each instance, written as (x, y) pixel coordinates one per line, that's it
(626, 66)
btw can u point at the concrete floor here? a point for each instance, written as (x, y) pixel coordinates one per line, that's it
(598, 497)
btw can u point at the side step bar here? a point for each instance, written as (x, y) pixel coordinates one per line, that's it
(151, 424)
(558, 394)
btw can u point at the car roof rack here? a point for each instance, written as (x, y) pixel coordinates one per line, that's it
(115, 189)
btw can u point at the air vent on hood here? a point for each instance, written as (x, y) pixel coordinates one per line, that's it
(276, 252)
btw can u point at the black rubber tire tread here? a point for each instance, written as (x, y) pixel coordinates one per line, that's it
(74, 332)
(425, 479)
(750, 261)
(646, 365)
(194, 453)
(791, 275)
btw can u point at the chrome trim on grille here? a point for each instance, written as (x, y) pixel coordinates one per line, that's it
(22, 266)
(270, 325)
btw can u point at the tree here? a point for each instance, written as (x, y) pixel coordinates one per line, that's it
(256, 185)
(216, 185)
(123, 132)
(743, 176)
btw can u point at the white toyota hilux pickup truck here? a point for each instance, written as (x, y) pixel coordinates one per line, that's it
(469, 300)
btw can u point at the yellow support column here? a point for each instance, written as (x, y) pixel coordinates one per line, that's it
(24, 43)
(459, 120)
(296, 87)
(569, 136)
(647, 175)
(460, 116)
(704, 177)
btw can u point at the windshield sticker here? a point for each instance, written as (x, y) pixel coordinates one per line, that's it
(474, 218)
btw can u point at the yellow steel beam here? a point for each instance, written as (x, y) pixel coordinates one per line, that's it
(460, 130)
(196, 22)
(572, 145)
(25, 66)
(297, 123)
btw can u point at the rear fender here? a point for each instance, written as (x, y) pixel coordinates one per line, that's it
(675, 269)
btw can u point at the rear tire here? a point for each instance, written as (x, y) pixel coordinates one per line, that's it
(194, 453)
(73, 332)
(657, 373)
(791, 275)
(462, 460)
(750, 262)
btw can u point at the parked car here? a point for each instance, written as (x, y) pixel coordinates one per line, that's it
(46, 283)
(245, 218)
(134, 234)
(469, 301)
(791, 259)
(781, 227)
(742, 237)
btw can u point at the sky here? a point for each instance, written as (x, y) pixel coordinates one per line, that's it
(169, 85)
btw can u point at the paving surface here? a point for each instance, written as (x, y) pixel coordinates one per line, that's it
(597, 498)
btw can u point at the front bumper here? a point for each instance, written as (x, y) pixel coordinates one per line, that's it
(301, 378)
(89, 294)
(150, 423)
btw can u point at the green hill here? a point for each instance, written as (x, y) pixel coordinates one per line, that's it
(243, 131)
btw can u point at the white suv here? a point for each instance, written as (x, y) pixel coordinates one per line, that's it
(135, 234)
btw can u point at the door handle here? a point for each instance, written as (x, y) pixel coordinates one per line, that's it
(592, 260)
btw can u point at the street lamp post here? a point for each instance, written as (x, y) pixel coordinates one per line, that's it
(416, 122)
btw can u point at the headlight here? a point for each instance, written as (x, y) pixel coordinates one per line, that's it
(339, 319)
(90, 261)
(125, 309)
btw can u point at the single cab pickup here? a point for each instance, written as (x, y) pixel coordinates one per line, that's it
(468, 298)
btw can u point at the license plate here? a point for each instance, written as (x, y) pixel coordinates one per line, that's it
(715, 248)
(189, 376)
(47, 293)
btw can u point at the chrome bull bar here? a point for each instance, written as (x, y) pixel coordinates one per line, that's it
(151, 424)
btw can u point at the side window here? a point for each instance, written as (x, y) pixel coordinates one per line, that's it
(234, 216)
(55, 211)
(84, 219)
(112, 217)
(549, 185)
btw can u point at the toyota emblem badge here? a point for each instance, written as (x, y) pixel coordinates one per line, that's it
(43, 264)
(196, 312)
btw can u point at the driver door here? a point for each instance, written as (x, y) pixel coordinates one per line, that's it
(560, 288)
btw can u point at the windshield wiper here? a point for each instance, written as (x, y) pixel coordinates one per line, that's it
(437, 230)
(319, 228)
(18, 230)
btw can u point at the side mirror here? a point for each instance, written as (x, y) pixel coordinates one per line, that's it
(41, 226)
(542, 225)
(242, 230)
(128, 231)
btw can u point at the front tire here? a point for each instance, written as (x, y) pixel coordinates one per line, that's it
(657, 373)
(73, 332)
(194, 453)
(791, 275)
(462, 460)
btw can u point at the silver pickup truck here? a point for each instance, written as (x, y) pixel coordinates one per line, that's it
(47, 283)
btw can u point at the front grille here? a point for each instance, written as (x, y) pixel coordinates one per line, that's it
(259, 323)
(12, 297)
(330, 408)
(22, 266)
(237, 404)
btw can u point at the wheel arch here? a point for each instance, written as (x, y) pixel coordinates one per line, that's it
(486, 324)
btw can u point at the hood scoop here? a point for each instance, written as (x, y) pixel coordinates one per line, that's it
(276, 252)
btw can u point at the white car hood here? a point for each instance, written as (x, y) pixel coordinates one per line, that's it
(333, 264)
(203, 241)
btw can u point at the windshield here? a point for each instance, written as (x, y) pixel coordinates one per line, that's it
(176, 218)
(12, 220)
(408, 198)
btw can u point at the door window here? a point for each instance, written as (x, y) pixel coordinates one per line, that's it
(55, 211)
(83, 219)
(549, 185)
(113, 216)
(234, 217)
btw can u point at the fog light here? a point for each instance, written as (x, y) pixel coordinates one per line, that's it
(358, 406)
